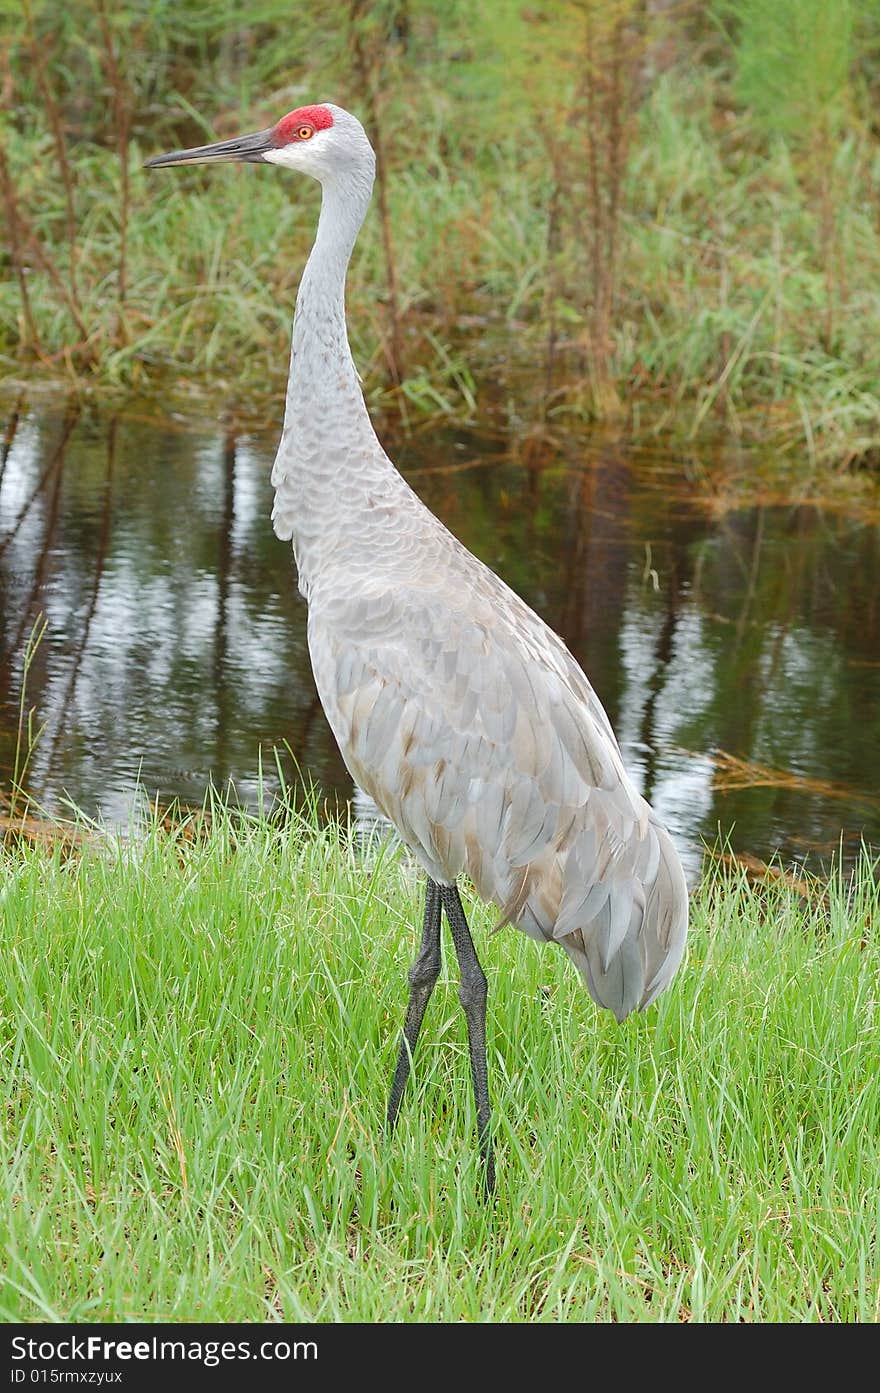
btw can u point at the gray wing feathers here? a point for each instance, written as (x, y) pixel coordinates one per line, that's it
(485, 745)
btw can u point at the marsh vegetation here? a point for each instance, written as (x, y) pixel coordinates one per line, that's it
(664, 211)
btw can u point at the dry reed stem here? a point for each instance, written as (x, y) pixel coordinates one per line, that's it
(732, 773)
(16, 233)
(758, 872)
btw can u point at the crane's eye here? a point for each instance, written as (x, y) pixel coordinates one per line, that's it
(305, 133)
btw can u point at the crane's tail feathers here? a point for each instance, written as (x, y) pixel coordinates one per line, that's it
(630, 949)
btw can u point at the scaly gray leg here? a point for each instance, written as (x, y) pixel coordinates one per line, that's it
(472, 995)
(422, 976)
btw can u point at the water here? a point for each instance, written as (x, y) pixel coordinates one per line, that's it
(175, 650)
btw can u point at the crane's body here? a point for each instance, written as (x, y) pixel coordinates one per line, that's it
(453, 704)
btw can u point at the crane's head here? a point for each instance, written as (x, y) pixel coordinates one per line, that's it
(323, 141)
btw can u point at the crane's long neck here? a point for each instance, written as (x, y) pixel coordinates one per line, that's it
(320, 341)
(329, 454)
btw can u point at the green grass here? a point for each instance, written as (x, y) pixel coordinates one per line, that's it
(198, 1037)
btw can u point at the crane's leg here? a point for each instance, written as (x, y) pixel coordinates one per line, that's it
(472, 995)
(422, 976)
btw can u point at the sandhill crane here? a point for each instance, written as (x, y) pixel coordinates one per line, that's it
(453, 704)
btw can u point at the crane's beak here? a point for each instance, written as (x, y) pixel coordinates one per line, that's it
(248, 149)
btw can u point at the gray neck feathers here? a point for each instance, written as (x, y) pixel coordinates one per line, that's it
(329, 457)
(320, 340)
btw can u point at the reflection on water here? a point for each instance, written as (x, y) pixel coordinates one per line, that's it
(176, 650)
